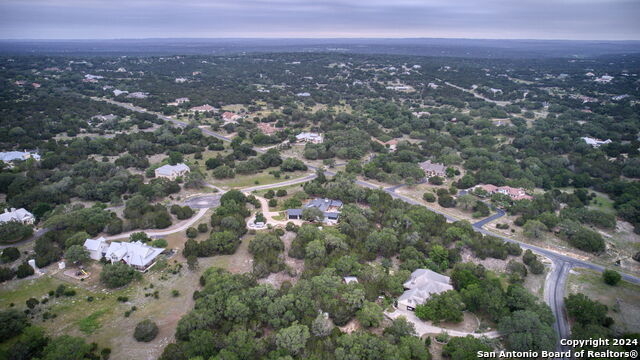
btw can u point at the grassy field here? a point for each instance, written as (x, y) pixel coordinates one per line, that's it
(102, 319)
(627, 295)
(261, 178)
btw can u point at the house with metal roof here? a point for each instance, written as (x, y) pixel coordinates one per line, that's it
(97, 248)
(313, 138)
(171, 172)
(330, 209)
(135, 254)
(19, 215)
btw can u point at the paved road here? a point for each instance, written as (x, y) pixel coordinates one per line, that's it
(556, 281)
(36, 235)
(181, 226)
(499, 213)
(554, 290)
(203, 201)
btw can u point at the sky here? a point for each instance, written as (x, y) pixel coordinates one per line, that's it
(478, 19)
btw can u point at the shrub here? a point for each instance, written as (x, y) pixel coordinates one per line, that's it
(10, 254)
(13, 231)
(145, 331)
(24, 270)
(281, 193)
(117, 275)
(611, 277)
(273, 202)
(446, 201)
(436, 180)
(192, 232)
(429, 197)
(13, 322)
(159, 243)
(203, 228)
(6, 274)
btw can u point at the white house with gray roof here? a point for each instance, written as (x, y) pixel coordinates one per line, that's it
(421, 285)
(18, 215)
(11, 156)
(171, 172)
(97, 248)
(313, 138)
(135, 254)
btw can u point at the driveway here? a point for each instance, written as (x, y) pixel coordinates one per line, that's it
(425, 327)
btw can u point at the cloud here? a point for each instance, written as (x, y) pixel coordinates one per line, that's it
(568, 19)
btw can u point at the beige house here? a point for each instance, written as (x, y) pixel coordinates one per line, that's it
(171, 172)
(433, 169)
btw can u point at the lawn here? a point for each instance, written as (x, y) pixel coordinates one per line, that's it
(261, 178)
(627, 295)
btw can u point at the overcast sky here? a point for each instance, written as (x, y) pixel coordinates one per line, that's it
(531, 19)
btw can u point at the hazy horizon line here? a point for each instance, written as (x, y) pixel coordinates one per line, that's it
(315, 38)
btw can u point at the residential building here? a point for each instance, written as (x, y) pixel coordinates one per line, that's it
(391, 144)
(203, 108)
(180, 80)
(303, 94)
(109, 117)
(138, 95)
(117, 92)
(20, 215)
(267, 128)
(513, 193)
(97, 248)
(135, 254)
(93, 77)
(314, 138)
(421, 285)
(171, 172)
(420, 114)
(595, 142)
(399, 88)
(604, 79)
(10, 156)
(229, 117)
(350, 279)
(179, 101)
(433, 169)
(330, 209)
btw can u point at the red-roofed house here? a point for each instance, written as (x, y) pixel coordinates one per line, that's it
(229, 117)
(267, 128)
(391, 144)
(513, 193)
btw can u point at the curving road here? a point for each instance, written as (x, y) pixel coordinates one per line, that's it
(556, 280)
